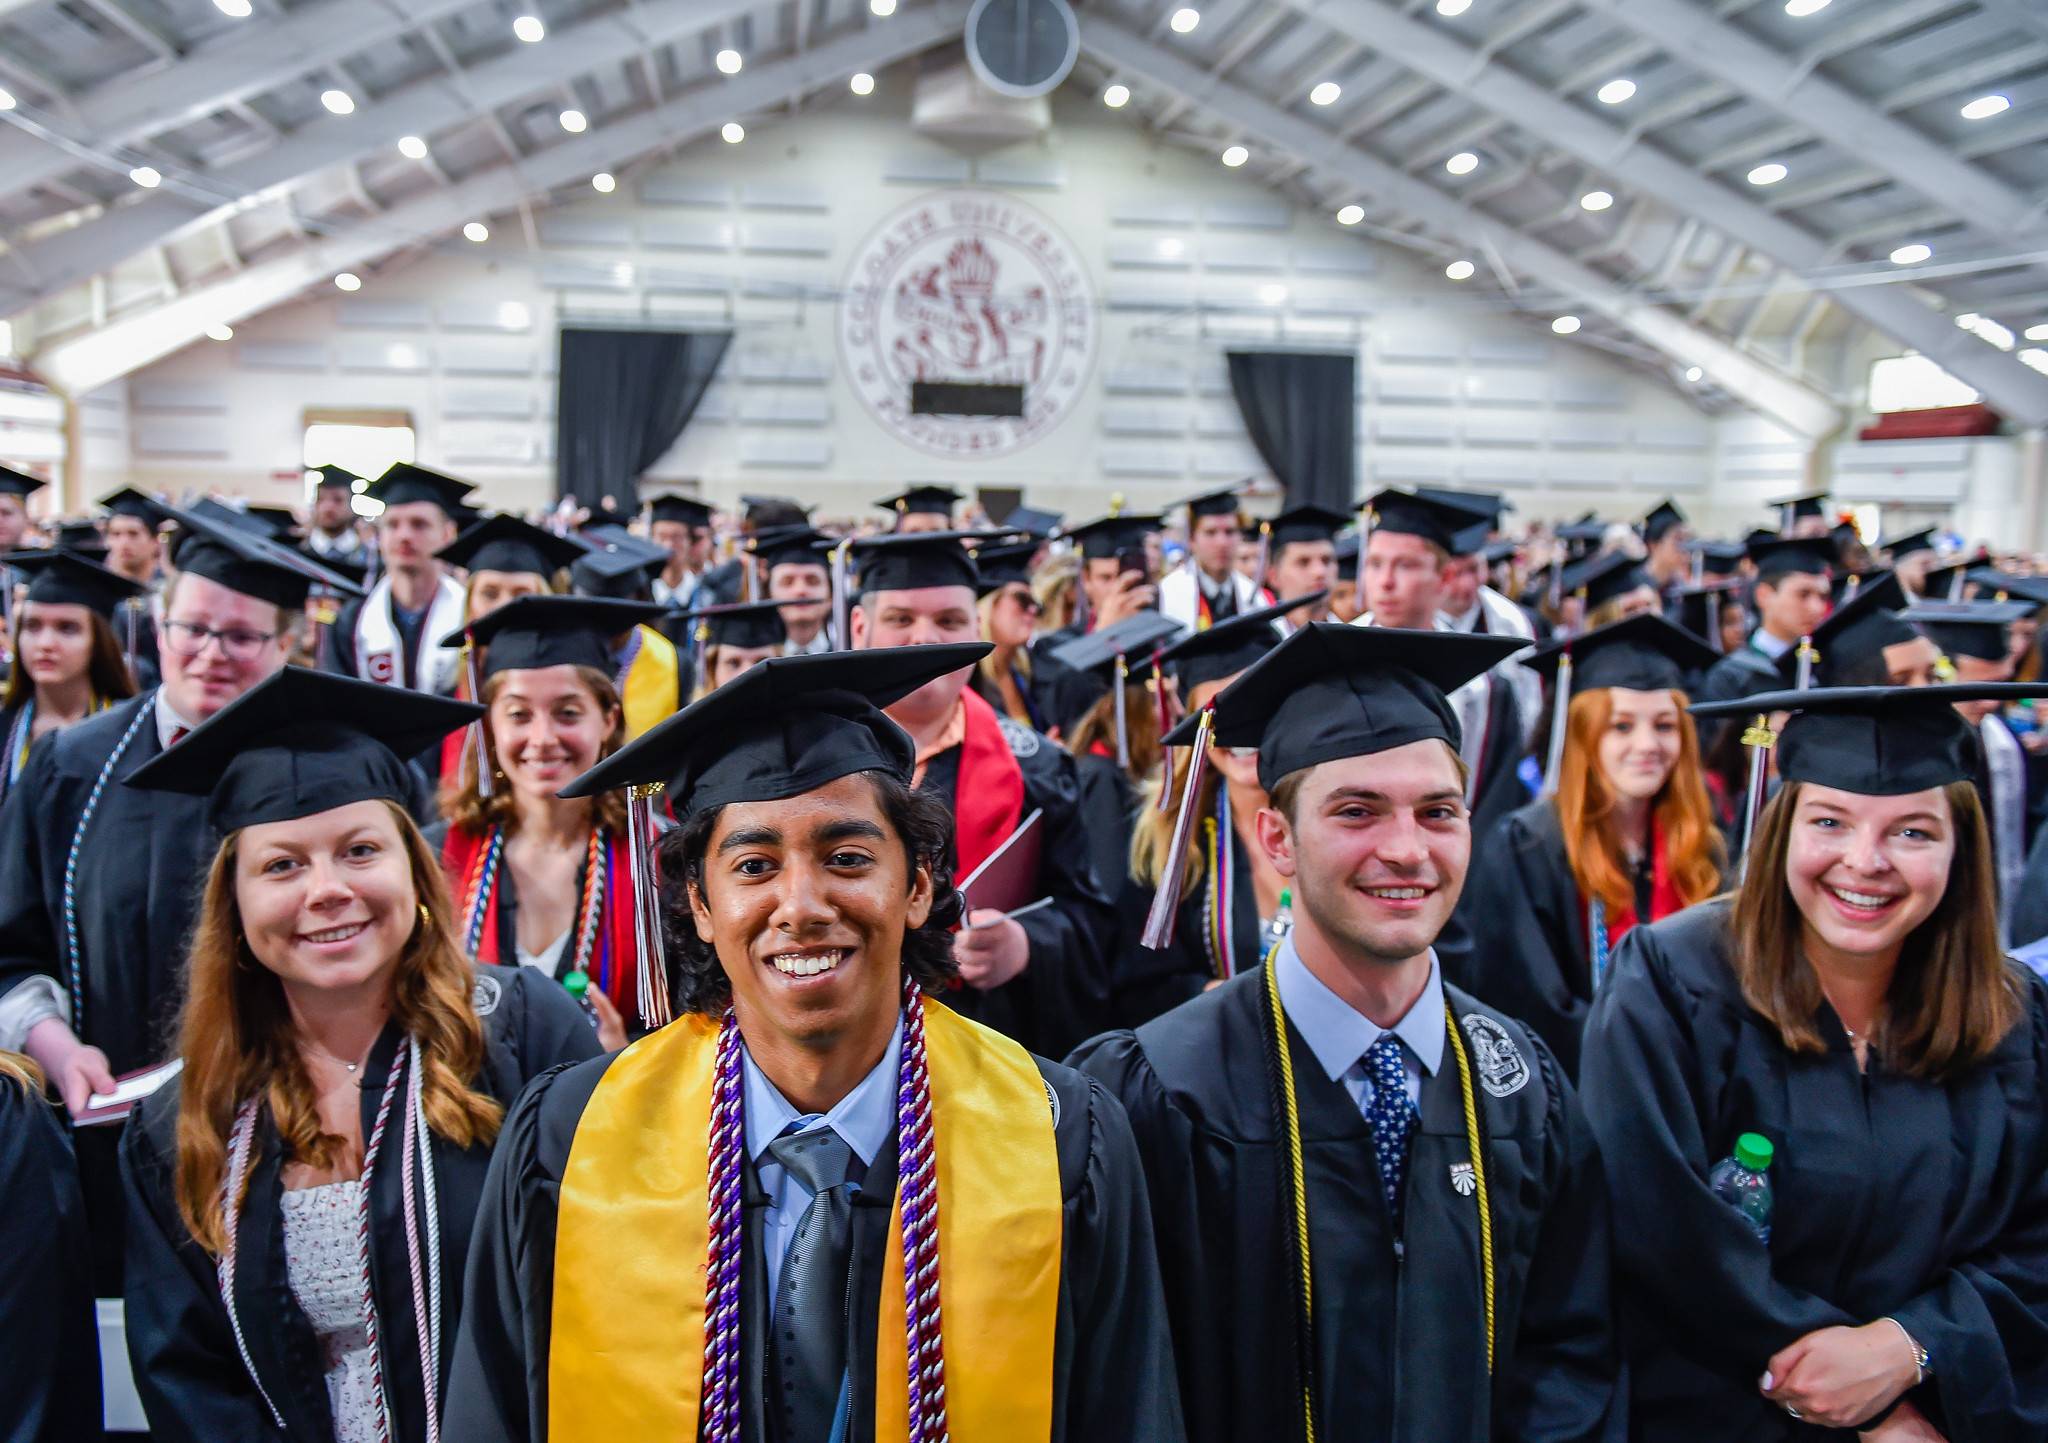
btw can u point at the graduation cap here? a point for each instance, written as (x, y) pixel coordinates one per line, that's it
(1976, 629)
(2004, 586)
(1717, 558)
(1875, 741)
(1912, 541)
(505, 543)
(1777, 556)
(772, 510)
(750, 624)
(616, 564)
(19, 483)
(1210, 503)
(1637, 653)
(404, 483)
(1662, 518)
(1105, 536)
(133, 504)
(910, 561)
(1134, 636)
(923, 500)
(1033, 522)
(1454, 529)
(1946, 582)
(82, 537)
(1582, 535)
(1599, 579)
(249, 562)
(242, 518)
(1004, 563)
(536, 631)
(1306, 523)
(798, 545)
(1228, 647)
(1495, 552)
(69, 579)
(1854, 635)
(1347, 556)
(675, 506)
(1801, 508)
(1700, 608)
(303, 742)
(330, 477)
(1491, 505)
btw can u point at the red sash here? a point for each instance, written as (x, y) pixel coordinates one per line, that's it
(988, 800)
(1664, 898)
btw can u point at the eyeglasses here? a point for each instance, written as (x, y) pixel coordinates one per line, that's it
(188, 640)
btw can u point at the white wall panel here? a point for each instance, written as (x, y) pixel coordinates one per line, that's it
(357, 313)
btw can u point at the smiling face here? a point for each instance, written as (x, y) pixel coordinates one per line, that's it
(806, 901)
(1641, 742)
(547, 726)
(54, 641)
(327, 901)
(1012, 616)
(248, 644)
(489, 590)
(1865, 871)
(923, 616)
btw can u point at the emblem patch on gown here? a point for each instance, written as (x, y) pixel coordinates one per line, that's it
(483, 998)
(382, 667)
(1464, 1181)
(1053, 1098)
(1503, 1071)
(1022, 739)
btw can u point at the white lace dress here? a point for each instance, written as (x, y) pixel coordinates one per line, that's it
(323, 1267)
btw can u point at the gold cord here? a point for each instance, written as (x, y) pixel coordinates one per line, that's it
(1478, 1174)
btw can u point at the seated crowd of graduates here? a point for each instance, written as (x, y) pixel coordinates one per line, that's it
(508, 981)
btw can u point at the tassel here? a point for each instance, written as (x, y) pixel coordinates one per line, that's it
(1759, 739)
(842, 599)
(1714, 620)
(1803, 674)
(653, 972)
(1265, 556)
(1123, 730)
(1560, 706)
(701, 678)
(1955, 585)
(1159, 921)
(1158, 684)
(477, 746)
(1699, 568)
(1849, 591)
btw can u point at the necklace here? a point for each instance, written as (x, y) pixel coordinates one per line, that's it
(351, 1068)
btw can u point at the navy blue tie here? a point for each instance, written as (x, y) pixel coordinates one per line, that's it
(1392, 1116)
(807, 1352)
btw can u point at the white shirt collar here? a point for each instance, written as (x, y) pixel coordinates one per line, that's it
(1338, 1034)
(168, 722)
(862, 1118)
(1769, 645)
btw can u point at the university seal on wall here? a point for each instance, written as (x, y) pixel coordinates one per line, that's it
(967, 286)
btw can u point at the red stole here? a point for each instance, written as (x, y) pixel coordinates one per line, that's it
(988, 799)
(1664, 898)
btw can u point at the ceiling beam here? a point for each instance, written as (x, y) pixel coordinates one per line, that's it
(1759, 386)
(1779, 82)
(2017, 390)
(421, 108)
(87, 361)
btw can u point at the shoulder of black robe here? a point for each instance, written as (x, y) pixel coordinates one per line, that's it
(1530, 958)
(340, 645)
(1744, 672)
(1195, 1085)
(1500, 789)
(188, 1367)
(47, 1330)
(1112, 1367)
(2030, 908)
(1108, 804)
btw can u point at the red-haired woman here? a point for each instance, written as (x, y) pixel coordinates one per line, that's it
(301, 1194)
(1626, 836)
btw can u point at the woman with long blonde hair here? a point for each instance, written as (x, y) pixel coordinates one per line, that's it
(1626, 833)
(301, 1193)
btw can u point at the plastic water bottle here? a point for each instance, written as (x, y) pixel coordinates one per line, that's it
(2022, 719)
(1743, 1181)
(577, 985)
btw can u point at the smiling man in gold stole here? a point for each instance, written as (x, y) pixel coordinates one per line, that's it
(708, 1235)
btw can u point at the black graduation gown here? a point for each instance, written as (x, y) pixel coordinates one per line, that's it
(194, 1386)
(1145, 983)
(1109, 804)
(2030, 907)
(1061, 996)
(1400, 1350)
(1742, 672)
(1112, 1367)
(1057, 696)
(48, 1338)
(1500, 789)
(1891, 1197)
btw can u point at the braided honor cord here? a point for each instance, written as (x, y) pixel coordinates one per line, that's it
(230, 1202)
(1280, 1087)
(426, 1290)
(1474, 1142)
(381, 1404)
(72, 960)
(721, 1420)
(483, 880)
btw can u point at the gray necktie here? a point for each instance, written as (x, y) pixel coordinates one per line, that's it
(807, 1337)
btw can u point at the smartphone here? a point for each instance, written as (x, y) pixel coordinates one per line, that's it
(1133, 558)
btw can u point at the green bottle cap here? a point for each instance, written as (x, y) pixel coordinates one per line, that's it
(578, 983)
(1754, 1151)
(1286, 898)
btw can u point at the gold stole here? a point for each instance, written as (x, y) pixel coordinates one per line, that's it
(651, 686)
(633, 1234)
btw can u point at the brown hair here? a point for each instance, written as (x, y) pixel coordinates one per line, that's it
(1152, 829)
(1141, 728)
(468, 811)
(1682, 813)
(235, 1035)
(986, 667)
(1953, 995)
(106, 668)
(1286, 793)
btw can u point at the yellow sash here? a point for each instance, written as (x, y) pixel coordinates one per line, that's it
(633, 1234)
(652, 685)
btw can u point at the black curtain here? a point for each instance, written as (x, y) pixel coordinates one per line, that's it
(621, 399)
(1302, 414)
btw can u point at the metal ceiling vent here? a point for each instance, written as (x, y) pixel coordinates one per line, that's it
(1022, 48)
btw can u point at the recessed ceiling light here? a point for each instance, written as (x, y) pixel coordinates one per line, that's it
(1351, 215)
(1235, 156)
(862, 84)
(220, 331)
(604, 183)
(1912, 255)
(1272, 294)
(733, 132)
(6, 100)
(1461, 270)
(2037, 333)
(339, 102)
(348, 281)
(1463, 163)
(1800, 8)
(513, 315)
(147, 176)
(1967, 319)
(1116, 97)
(1595, 200)
(1769, 173)
(575, 121)
(1325, 93)
(529, 29)
(1694, 374)
(882, 8)
(1986, 106)
(412, 147)
(233, 9)
(1185, 19)
(477, 231)
(1565, 325)
(1452, 8)
(729, 62)
(1614, 92)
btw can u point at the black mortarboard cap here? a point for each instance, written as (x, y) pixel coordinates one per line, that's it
(1599, 579)
(505, 543)
(1777, 556)
(783, 728)
(1229, 647)
(1584, 534)
(403, 483)
(910, 561)
(1945, 583)
(282, 520)
(1134, 638)
(750, 624)
(1663, 516)
(304, 742)
(81, 537)
(1637, 653)
(129, 502)
(1490, 506)
(18, 483)
(615, 572)
(1495, 552)
(1456, 529)
(803, 545)
(1332, 690)
(1718, 558)
(1347, 557)
(1033, 522)
(245, 560)
(1976, 629)
(1210, 503)
(924, 500)
(674, 506)
(1802, 508)
(330, 477)
(1307, 522)
(772, 510)
(2004, 586)
(535, 631)
(243, 518)
(1005, 562)
(1853, 638)
(1103, 537)
(65, 578)
(1912, 541)
(1876, 741)
(1700, 608)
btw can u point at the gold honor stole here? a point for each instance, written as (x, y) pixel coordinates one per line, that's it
(632, 1238)
(651, 684)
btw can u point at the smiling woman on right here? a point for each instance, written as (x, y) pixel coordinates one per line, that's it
(1819, 1101)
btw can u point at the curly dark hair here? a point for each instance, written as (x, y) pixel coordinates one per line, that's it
(697, 983)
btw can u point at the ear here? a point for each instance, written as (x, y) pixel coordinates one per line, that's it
(700, 914)
(857, 628)
(920, 908)
(1276, 840)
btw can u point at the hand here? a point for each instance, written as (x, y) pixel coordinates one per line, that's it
(77, 1069)
(611, 1028)
(1842, 1377)
(1132, 595)
(1906, 1424)
(990, 951)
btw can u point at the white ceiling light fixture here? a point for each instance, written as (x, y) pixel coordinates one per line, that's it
(1326, 93)
(1967, 319)
(603, 183)
(882, 9)
(1351, 215)
(147, 176)
(6, 100)
(1463, 163)
(1800, 9)
(348, 281)
(412, 147)
(220, 331)
(234, 9)
(1116, 97)
(574, 121)
(1986, 106)
(733, 132)
(1461, 270)
(513, 315)
(1452, 9)
(1769, 173)
(1614, 92)
(338, 102)
(729, 62)
(1565, 325)
(529, 29)
(1273, 294)
(1695, 374)
(1912, 255)
(2037, 333)
(1595, 200)
(476, 231)
(862, 84)
(1235, 156)
(1185, 19)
